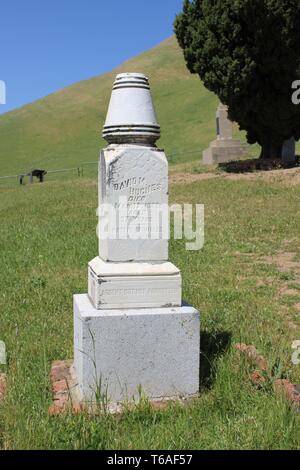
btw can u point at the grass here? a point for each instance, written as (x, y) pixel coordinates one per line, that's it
(47, 238)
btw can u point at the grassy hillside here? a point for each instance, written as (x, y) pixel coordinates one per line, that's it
(64, 128)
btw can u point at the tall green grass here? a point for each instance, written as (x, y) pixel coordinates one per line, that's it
(47, 237)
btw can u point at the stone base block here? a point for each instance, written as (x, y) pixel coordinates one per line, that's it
(119, 353)
(224, 150)
(133, 285)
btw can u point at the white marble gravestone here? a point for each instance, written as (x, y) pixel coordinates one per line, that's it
(224, 148)
(132, 330)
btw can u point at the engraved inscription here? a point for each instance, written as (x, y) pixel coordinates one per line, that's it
(153, 291)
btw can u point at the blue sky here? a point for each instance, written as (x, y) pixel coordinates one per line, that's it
(48, 44)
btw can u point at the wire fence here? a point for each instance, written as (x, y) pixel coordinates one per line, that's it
(82, 169)
(24, 178)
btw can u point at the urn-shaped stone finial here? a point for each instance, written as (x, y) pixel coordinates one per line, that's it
(131, 116)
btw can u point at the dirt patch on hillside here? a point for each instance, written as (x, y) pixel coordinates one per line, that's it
(285, 262)
(268, 281)
(290, 177)
(297, 307)
(287, 291)
(182, 178)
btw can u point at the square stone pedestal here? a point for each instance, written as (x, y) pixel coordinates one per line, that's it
(133, 285)
(224, 150)
(118, 353)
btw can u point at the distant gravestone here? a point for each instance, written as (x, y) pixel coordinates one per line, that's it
(224, 148)
(289, 151)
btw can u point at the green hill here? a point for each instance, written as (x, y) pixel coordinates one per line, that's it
(64, 128)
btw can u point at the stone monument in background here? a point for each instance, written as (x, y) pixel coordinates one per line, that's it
(224, 148)
(132, 331)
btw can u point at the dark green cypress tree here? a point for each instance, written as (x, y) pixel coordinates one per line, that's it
(248, 53)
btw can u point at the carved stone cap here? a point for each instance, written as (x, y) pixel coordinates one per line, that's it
(131, 116)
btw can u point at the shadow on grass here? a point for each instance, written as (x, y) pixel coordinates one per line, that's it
(256, 164)
(213, 345)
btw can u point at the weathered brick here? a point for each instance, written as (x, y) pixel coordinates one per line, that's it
(3, 386)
